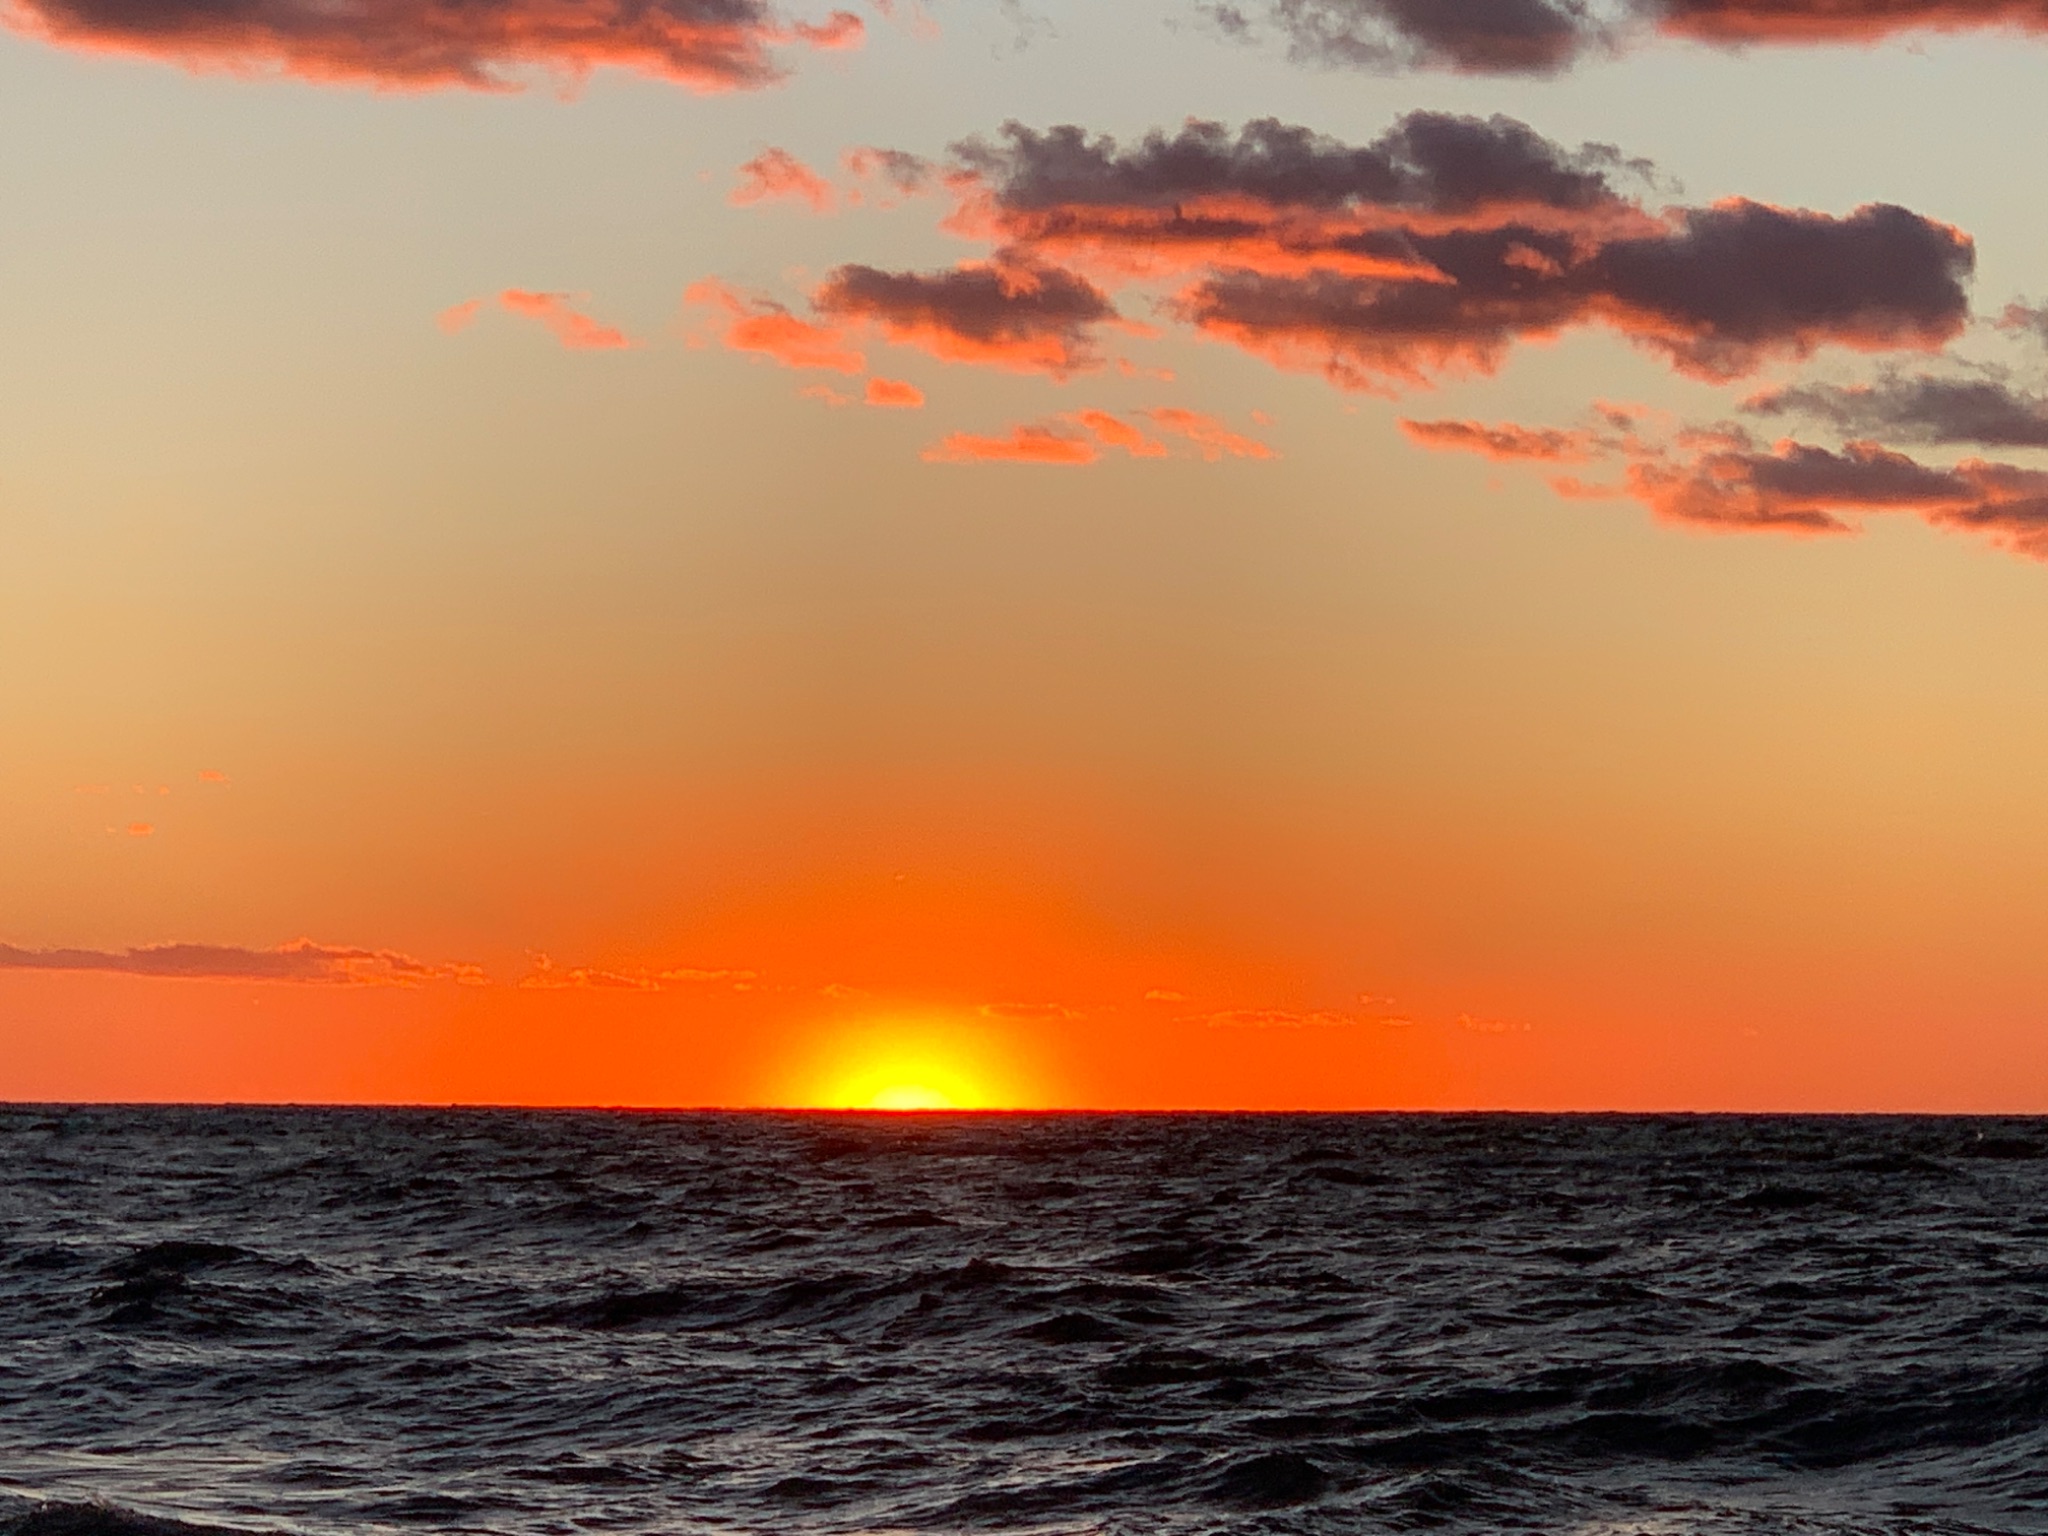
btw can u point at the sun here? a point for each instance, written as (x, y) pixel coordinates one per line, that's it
(910, 1096)
(909, 1066)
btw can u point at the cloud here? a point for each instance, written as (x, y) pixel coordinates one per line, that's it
(1007, 314)
(1503, 442)
(894, 394)
(1031, 1011)
(574, 330)
(1066, 439)
(758, 324)
(1114, 432)
(546, 976)
(212, 776)
(457, 317)
(1718, 294)
(2024, 317)
(1735, 22)
(497, 45)
(1210, 436)
(1720, 479)
(302, 960)
(1034, 443)
(887, 176)
(1792, 487)
(1281, 199)
(1986, 408)
(777, 175)
(1273, 1018)
(1546, 37)
(1433, 250)
(139, 829)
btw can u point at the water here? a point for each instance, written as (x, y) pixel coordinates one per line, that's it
(329, 1321)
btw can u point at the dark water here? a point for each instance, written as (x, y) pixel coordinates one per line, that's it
(327, 1321)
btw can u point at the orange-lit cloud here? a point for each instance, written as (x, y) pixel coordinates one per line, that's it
(777, 175)
(894, 394)
(1008, 314)
(1034, 443)
(544, 975)
(760, 325)
(299, 961)
(1066, 439)
(1545, 37)
(1504, 441)
(704, 45)
(212, 776)
(1720, 479)
(575, 330)
(1435, 249)
(140, 829)
(1728, 485)
(1726, 290)
(457, 317)
(1118, 433)
(885, 177)
(1210, 436)
(1841, 21)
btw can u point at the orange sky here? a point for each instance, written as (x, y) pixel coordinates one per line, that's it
(552, 569)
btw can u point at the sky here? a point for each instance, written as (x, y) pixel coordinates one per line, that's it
(1336, 554)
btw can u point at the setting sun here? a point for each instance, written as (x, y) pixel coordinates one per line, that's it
(910, 1096)
(910, 1065)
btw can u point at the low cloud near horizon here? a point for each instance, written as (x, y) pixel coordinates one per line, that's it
(302, 960)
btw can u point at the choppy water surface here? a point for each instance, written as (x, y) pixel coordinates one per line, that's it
(327, 1321)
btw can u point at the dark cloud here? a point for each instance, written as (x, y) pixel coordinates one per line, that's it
(1720, 479)
(301, 961)
(1742, 280)
(1007, 314)
(1526, 37)
(1717, 293)
(708, 45)
(1428, 162)
(1986, 409)
(1436, 248)
(1795, 487)
(1544, 37)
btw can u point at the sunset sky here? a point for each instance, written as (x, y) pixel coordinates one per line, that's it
(1017, 553)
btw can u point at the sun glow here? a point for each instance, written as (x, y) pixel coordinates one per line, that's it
(907, 1067)
(910, 1096)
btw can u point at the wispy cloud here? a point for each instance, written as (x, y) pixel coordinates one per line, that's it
(546, 976)
(1078, 437)
(575, 330)
(775, 175)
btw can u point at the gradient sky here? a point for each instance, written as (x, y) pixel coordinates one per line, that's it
(448, 652)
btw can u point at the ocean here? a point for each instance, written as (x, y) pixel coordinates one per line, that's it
(535, 1324)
